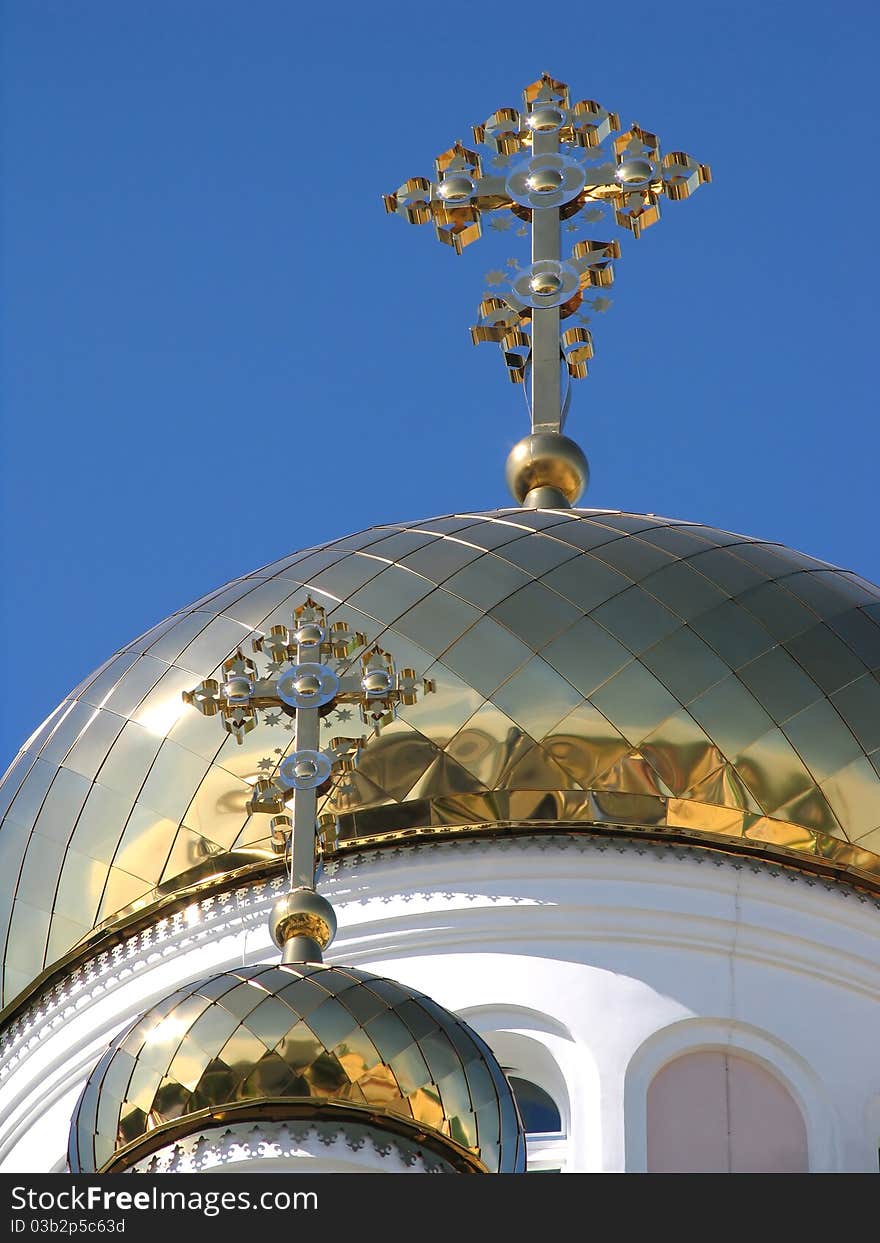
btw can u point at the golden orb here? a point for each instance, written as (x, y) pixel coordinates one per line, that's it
(456, 188)
(634, 172)
(545, 180)
(549, 464)
(544, 282)
(302, 913)
(545, 120)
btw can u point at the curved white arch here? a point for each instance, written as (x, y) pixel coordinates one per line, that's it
(543, 1049)
(514, 1018)
(697, 1034)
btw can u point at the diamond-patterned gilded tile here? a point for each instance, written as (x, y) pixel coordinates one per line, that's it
(486, 581)
(396, 758)
(636, 619)
(779, 684)
(404, 587)
(587, 582)
(859, 704)
(815, 680)
(332, 1022)
(300, 1047)
(726, 570)
(439, 715)
(635, 702)
(778, 611)
(535, 613)
(854, 795)
(536, 698)
(812, 810)
(487, 655)
(444, 777)
(860, 634)
(343, 578)
(685, 664)
(437, 621)
(389, 1034)
(586, 655)
(535, 769)
(822, 740)
(357, 1055)
(733, 633)
(731, 716)
(683, 590)
(242, 1050)
(270, 1021)
(632, 774)
(772, 766)
(488, 745)
(536, 553)
(272, 1076)
(826, 658)
(213, 1028)
(441, 558)
(585, 743)
(633, 557)
(697, 770)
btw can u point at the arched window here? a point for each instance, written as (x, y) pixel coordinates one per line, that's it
(712, 1111)
(537, 1108)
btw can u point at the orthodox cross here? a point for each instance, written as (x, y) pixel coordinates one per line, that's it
(299, 683)
(548, 162)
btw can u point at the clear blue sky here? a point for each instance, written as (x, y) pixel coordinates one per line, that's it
(217, 348)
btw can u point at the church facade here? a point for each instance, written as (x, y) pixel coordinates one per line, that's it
(541, 839)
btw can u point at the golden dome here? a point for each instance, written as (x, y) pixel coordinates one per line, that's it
(307, 1043)
(596, 671)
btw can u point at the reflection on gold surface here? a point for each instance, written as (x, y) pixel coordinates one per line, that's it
(722, 711)
(724, 788)
(791, 836)
(683, 814)
(202, 1051)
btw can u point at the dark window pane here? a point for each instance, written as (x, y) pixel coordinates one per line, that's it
(537, 1109)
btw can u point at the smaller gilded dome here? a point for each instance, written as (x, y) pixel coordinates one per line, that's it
(298, 1042)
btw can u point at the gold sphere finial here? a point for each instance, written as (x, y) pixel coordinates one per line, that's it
(302, 924)
(547, 471)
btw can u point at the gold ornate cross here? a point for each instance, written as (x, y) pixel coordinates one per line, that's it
(299, 683)
(547, 163)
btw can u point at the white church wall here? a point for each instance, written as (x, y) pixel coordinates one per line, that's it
(610, 957)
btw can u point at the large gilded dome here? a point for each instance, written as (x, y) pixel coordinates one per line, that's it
(594, 670)
(305, 1042)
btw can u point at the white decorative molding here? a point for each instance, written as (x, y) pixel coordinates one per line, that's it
(308, 1148)
(246, 907)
